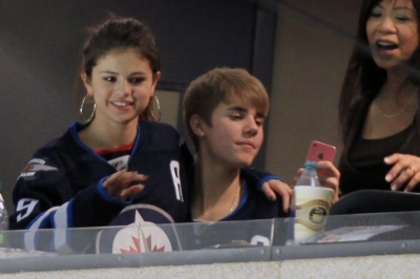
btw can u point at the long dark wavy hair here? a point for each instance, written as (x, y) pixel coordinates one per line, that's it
(364, 79)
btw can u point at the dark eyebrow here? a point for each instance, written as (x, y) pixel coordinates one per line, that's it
(114, 73)
(241, 109)
(108, 72)
(403, 8)
(260, 115)
(238, 109)
(138, 73)
(396, 8)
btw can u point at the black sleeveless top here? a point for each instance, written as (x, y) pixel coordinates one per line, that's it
(364, 167)
(361, 164)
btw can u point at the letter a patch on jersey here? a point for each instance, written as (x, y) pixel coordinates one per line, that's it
(176, 178)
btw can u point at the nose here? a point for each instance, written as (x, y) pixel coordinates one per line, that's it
(251, 128)
(123, 88)
(387, 25)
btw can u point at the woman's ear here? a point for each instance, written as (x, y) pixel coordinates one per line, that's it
(156, 78)
(196, 124)
(87, 83)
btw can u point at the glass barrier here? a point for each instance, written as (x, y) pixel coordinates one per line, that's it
(354, 235)
(143, 238)
(206, 242)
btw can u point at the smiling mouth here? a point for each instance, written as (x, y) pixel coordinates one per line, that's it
(385, 46)
(121, 104)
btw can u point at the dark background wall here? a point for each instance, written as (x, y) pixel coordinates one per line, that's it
(314, 39)
(40, 44)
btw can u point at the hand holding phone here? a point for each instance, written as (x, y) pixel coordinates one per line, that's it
(319, 151)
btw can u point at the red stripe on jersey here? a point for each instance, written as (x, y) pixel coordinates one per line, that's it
(127, 147)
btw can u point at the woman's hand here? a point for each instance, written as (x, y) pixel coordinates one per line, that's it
(120, 184)
(404, 171)
(273, 186)
(328, 176)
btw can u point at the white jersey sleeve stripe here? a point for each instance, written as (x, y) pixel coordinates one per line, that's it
(60, 218)
(61, 229)
(30, 235)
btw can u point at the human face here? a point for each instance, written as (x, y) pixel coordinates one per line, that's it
(122, 85)
(392, 32)
(235, 136)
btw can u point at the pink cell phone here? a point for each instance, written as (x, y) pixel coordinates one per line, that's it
(319, 151)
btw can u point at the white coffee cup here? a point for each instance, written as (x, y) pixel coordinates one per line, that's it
(312, 206)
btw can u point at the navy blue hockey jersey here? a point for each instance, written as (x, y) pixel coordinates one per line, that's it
(253, 205)
(61, 187)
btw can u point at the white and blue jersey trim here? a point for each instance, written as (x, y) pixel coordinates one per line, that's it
(76, 127)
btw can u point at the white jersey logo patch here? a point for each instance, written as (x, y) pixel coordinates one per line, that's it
(34, 166)
(120, 163)
(139, 239)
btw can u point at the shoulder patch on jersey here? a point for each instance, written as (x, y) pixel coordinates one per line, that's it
(34, 166)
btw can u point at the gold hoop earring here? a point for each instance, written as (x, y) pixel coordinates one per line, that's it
(158, 108)
(92, 115)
